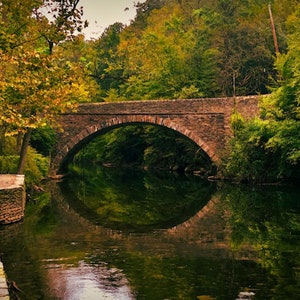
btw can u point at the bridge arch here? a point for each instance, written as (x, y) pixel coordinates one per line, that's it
(68, 151)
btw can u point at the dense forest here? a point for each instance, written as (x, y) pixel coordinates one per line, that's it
(173, 49)
(186, 49)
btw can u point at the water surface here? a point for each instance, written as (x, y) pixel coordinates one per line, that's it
(107, 234)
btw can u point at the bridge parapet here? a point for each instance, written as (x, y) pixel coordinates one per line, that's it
(245, 105)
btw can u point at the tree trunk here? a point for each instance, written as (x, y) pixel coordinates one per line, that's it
(2, 140)
(19, 141)
(23, 152)
(273, 30)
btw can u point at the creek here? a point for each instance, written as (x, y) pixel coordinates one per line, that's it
(104, 233)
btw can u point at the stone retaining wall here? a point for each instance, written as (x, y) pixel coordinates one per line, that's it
(12, 198)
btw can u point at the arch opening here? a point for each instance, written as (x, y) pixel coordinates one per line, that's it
(89, 133)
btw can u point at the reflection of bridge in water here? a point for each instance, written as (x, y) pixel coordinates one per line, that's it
(206, 222)
(207, 231)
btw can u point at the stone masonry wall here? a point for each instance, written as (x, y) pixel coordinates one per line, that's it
(12, 198)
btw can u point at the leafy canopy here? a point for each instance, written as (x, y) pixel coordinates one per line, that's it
(36, 82)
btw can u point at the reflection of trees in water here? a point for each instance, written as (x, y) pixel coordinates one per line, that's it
(161, 264)
(205, 231)
(195, 260)
(269, 220)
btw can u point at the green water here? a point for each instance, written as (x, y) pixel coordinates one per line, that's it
(111, 234)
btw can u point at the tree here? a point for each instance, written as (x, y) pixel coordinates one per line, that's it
(157, 60)
(109, 78)
(283, 107)
(268, 148)
(182, 49)
(35, 82)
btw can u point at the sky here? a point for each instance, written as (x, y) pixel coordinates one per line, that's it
(102, 13)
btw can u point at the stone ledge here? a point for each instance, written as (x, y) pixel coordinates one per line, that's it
(11, 181)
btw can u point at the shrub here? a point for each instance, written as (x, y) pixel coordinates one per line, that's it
(36, 167)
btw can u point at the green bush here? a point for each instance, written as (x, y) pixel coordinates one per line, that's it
(36, 167)
(8, 164)
(43, 140)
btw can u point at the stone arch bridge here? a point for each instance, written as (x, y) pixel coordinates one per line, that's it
(205, 121)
